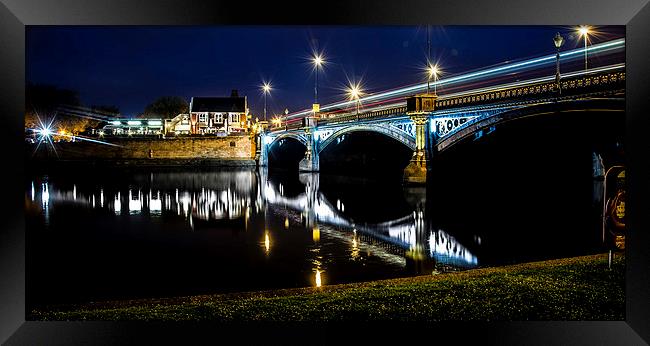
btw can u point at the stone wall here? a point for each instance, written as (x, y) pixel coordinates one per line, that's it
(225, 148)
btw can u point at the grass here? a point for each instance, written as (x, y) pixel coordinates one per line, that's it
(580, 288)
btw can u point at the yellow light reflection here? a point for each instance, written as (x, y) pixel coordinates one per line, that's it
(355, 246)
(316, 234)
(318, 279)
(267, 242)
(286, 223)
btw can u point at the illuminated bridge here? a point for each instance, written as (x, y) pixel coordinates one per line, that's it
(428, 123)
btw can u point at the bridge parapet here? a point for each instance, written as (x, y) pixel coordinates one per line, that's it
(378, 114)
(572, 86)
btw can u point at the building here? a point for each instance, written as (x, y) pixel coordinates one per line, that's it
(131, 127)
(178, 125)
(218, 115)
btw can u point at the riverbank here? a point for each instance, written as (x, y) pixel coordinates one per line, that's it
(34, 165)
(579, 288)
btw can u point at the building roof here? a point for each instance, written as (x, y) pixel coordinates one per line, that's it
(218, 104)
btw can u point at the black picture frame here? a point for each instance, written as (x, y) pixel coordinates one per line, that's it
(16, 14)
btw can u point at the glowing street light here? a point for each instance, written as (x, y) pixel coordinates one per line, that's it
(434, 71)
(558, 40)
(354, 93)
(266, 88)
(584, 31)
(318, 61)
(277, 121)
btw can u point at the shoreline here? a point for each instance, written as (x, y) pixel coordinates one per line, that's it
(139, 163)
(577, 288)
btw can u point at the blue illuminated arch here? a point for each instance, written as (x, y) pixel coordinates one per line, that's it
(384, 129)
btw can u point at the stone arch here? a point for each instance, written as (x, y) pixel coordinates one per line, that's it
(386, 130)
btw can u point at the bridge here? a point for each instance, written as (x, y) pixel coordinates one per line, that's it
(429, 124)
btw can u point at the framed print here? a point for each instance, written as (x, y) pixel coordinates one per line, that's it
(184, 173)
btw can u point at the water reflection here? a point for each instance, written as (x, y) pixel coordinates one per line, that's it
(251, 201)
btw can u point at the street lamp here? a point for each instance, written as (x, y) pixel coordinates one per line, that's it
(354, 92)
(286, 124)
(266, 88)
(558, 40)
(277, 121)
(434, 71)
(318, 61)
(584, 31)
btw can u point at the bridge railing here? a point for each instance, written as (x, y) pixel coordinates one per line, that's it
(605, 82)
(378, 114)
(285, 127)
(573, 86)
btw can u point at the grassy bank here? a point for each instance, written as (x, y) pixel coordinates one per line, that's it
(580, 288)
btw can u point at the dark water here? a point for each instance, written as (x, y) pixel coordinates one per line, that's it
(118, 234)
(115, 235)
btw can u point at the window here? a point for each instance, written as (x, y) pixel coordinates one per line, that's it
(219, 118)
(203, 117)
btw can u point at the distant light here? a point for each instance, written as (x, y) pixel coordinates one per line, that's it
(267, 242)
(154, 122)
(45, 132)
(134, 122)
(266, 87)
(116, 122)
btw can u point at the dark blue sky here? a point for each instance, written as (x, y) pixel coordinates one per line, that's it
(129, 67)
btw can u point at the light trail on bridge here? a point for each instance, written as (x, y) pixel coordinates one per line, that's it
(398, 94)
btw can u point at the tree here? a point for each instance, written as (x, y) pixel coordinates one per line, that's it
(166, 107)
(42, 101)
(43, 107)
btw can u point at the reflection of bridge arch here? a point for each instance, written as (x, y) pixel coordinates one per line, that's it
(407, 233)
(550, 108)
(384, 129)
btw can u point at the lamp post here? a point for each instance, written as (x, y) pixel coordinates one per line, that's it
(558, 40)
(354, 92)
(267, 90)
(584, 31)
(318, 61)
(286, 124)
(433, 72)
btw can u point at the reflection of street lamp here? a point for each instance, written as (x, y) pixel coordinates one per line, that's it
(584, 31)
(266, 88)
(558, 40)
(354, 92)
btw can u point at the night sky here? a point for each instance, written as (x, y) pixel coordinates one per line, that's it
(129, 67)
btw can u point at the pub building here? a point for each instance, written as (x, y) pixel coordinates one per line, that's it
(218, 115)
